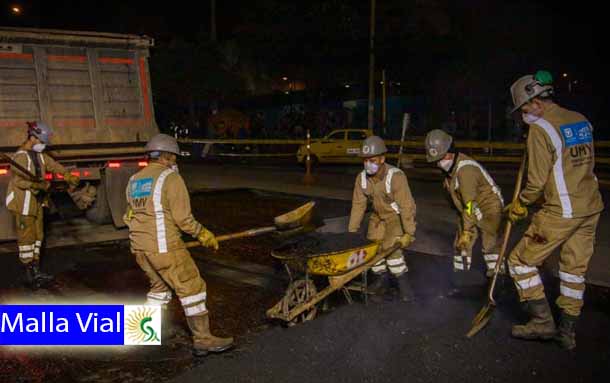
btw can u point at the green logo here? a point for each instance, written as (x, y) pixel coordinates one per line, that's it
(138, 326)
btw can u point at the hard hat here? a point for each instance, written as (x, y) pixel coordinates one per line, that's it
(437, 145)
(527, 87)
(373, 146)
(41, 131)
(163, 143)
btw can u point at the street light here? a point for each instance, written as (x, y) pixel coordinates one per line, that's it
(285, 78)
(565, 75)
(16, 10)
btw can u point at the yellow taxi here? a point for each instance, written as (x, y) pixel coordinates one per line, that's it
(339, 146)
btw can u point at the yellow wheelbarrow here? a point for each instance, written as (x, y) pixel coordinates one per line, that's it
(340, 267)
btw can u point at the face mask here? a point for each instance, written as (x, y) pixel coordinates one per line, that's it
(371, 168)
(38, 147)
(529, 118)
(445, 164)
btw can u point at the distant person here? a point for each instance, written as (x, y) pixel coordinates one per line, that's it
(560, 167)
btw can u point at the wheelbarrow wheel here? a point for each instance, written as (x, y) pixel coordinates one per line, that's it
(298, 293)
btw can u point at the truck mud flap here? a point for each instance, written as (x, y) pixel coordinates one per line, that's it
(7, 221)
(116, 181)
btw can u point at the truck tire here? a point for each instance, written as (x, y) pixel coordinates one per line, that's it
(99, 212)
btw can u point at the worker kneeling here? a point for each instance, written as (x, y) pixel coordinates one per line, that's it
(476, 197)
(393, 219)
(158, 210)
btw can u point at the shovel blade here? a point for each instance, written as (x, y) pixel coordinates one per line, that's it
(481, 320)
(301, 216)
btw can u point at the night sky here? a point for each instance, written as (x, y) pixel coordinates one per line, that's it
(427, 44)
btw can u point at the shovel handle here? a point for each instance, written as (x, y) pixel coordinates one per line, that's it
(242, 234)
(507, 230)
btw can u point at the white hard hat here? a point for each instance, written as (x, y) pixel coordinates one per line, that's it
(527, 87)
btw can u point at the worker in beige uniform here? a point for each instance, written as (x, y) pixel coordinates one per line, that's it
(393, 218)
(26, 198)
(159, 209)
(560, 169)
(476, 197)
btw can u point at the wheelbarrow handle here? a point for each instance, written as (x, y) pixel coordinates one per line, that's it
(242, 234)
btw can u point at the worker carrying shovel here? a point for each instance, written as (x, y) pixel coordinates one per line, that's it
(561, 160)
(393, 218)
(476, 197)
(27, 197)
(159, 209)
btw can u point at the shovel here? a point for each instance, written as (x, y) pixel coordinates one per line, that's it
(23, 170)
(293, 221)
(483, 317)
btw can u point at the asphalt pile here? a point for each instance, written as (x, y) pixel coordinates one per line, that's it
(319, 243)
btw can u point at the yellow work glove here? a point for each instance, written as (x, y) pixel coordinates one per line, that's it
(128, 215)
(405, 240)
(71, 180)
(37, 187)
(516, 211)
(465, 240)
(207, 239)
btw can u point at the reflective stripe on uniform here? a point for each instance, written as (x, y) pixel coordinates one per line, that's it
(201, 297)
(491, 257)
(26, 248)
(9, 198)
(379, 266)
(26, 255)
(388, 185)
(529, 282)
(163, 297)
(28, 194)
(572, 293)
(488, 178)
(571, 278)
(397, 270)
(159, 216)
(560, 182)
(520, 270)
(194, 310)
(41, 158)
(26, 203)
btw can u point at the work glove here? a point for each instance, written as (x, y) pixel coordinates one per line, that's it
(207, 239)
(128, 215)
(516, 211)
(464, 241)
(41, 186)
(71, 180)
(405, 240)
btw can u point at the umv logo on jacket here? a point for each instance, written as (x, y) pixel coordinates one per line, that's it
(578, 138)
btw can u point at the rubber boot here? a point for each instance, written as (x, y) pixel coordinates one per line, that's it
(567, 331)
(541, 324)
(203, 340)
(405, 292)
(29, 280)
(380, 287)
(41, 279)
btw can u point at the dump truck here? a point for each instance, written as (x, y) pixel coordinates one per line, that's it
(94, 90)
